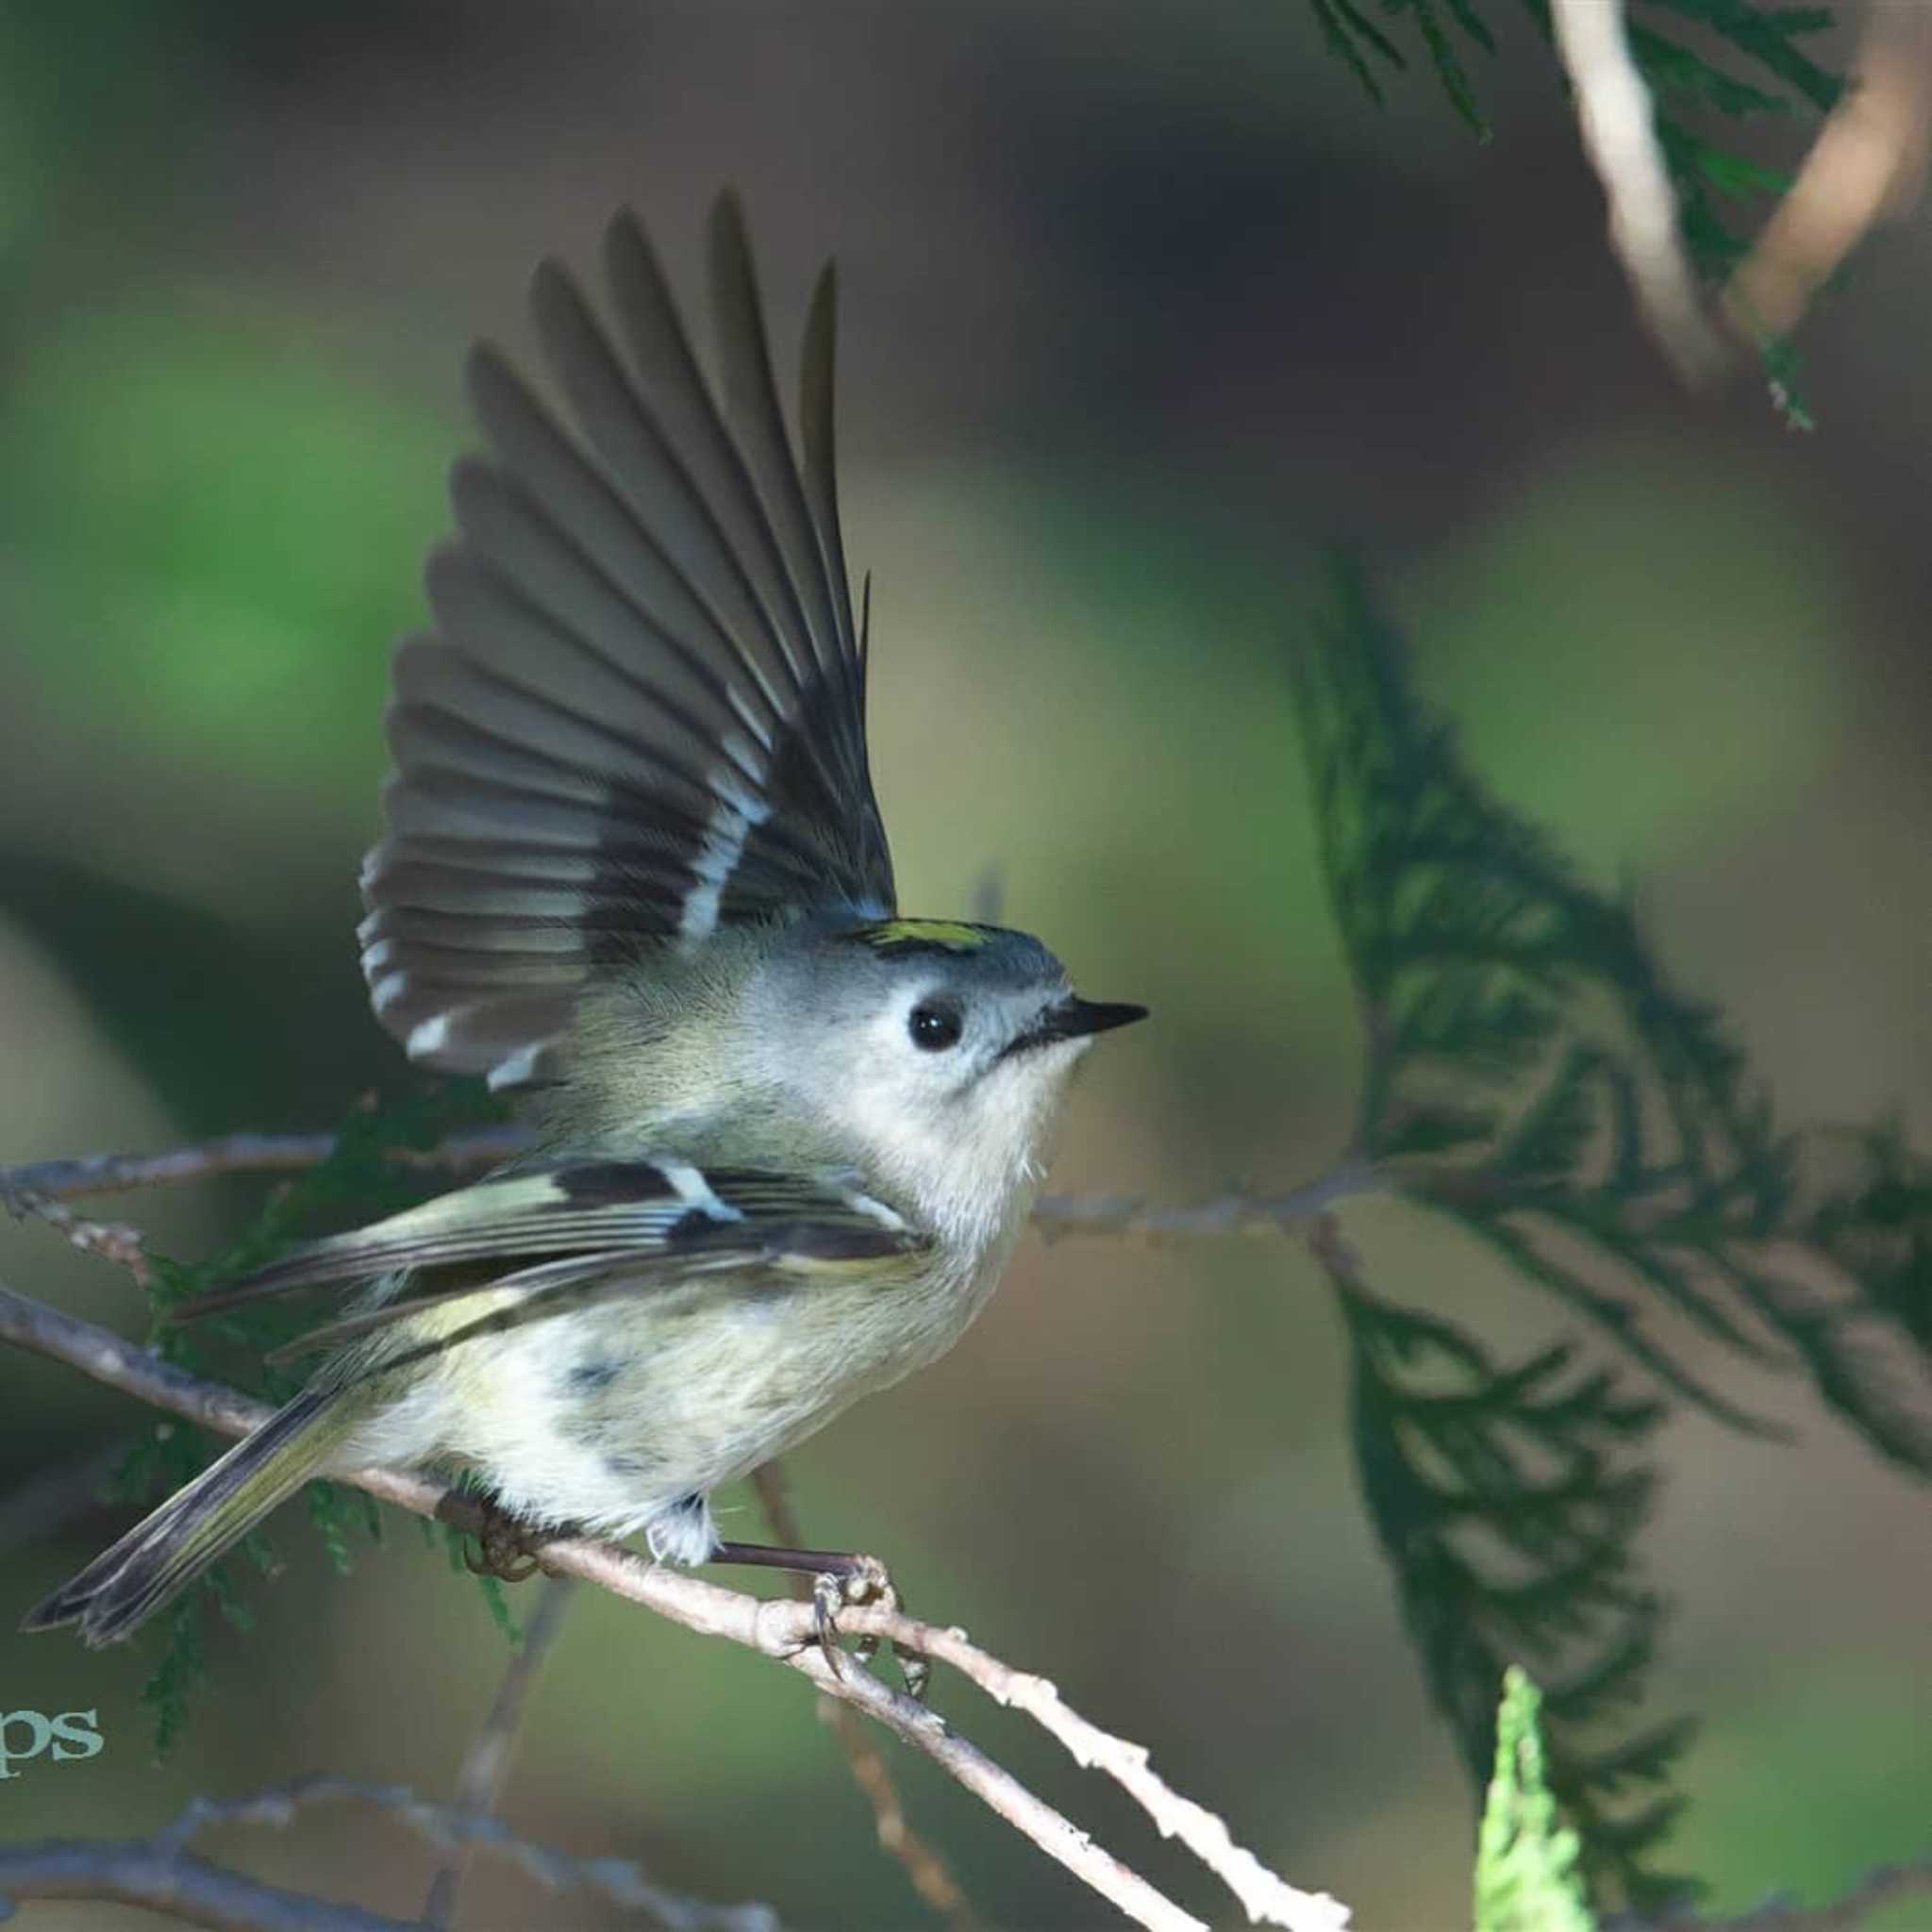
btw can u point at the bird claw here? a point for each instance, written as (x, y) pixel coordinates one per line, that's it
(867, 1581)
(503, 1548)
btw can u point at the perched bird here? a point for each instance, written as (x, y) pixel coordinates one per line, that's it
(784, 1138)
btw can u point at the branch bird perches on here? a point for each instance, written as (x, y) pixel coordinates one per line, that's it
(785, 1630)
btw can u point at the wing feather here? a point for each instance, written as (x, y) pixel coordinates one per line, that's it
(817, 382)
(654, 1218)
(716, 543)
(751, 407)
(641, 714)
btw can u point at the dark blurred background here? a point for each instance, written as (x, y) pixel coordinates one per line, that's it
(1143, 303)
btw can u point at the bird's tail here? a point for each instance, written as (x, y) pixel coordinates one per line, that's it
(162, 1553)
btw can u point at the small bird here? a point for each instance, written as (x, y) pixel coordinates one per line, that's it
(784, 1140)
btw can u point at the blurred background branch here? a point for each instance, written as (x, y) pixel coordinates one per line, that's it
(162, 1874)
(172, 1882)
(1672, 184)
(1867, 165)
(487, 1764)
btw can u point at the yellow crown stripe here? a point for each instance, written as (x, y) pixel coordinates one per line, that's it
(949, 933)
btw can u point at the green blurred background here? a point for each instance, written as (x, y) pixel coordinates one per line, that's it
(1142, 301)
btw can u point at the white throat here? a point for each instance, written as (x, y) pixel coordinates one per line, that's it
(973, 1174)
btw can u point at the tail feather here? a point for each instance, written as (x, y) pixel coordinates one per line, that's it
(162, 1553)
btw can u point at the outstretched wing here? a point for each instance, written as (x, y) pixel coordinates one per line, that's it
(632, 1223)
(641, 714)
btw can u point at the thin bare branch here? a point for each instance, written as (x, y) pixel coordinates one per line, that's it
(135, 1370)
(782, 1628)
(113, 1239)
(451, 1827)
(1238, 1211)
(36, 1188)
(1267, 1899)
(159, 1871)
(931, 1877)
(120, 1173)
(1867, 164)
(486, 1769)
(41, 1190)
(1613, 109)
(164, 1878)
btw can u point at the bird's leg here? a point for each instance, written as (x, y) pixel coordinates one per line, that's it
(839, 1578)
(503, 1547)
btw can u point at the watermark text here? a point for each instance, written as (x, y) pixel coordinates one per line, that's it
(25, 1735)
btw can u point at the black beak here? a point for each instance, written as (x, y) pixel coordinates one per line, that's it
(1075, 1019)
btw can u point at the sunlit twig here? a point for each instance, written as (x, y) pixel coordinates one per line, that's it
(1613, 110)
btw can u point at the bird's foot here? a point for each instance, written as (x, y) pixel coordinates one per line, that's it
(839, 1581)
(504, 1547)
(868, 1581)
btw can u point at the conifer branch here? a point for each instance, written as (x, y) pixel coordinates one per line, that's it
(1531, 1076)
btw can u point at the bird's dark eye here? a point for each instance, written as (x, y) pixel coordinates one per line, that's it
(934, 1025)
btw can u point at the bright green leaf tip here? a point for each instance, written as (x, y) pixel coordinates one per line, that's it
(1526, 1873)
